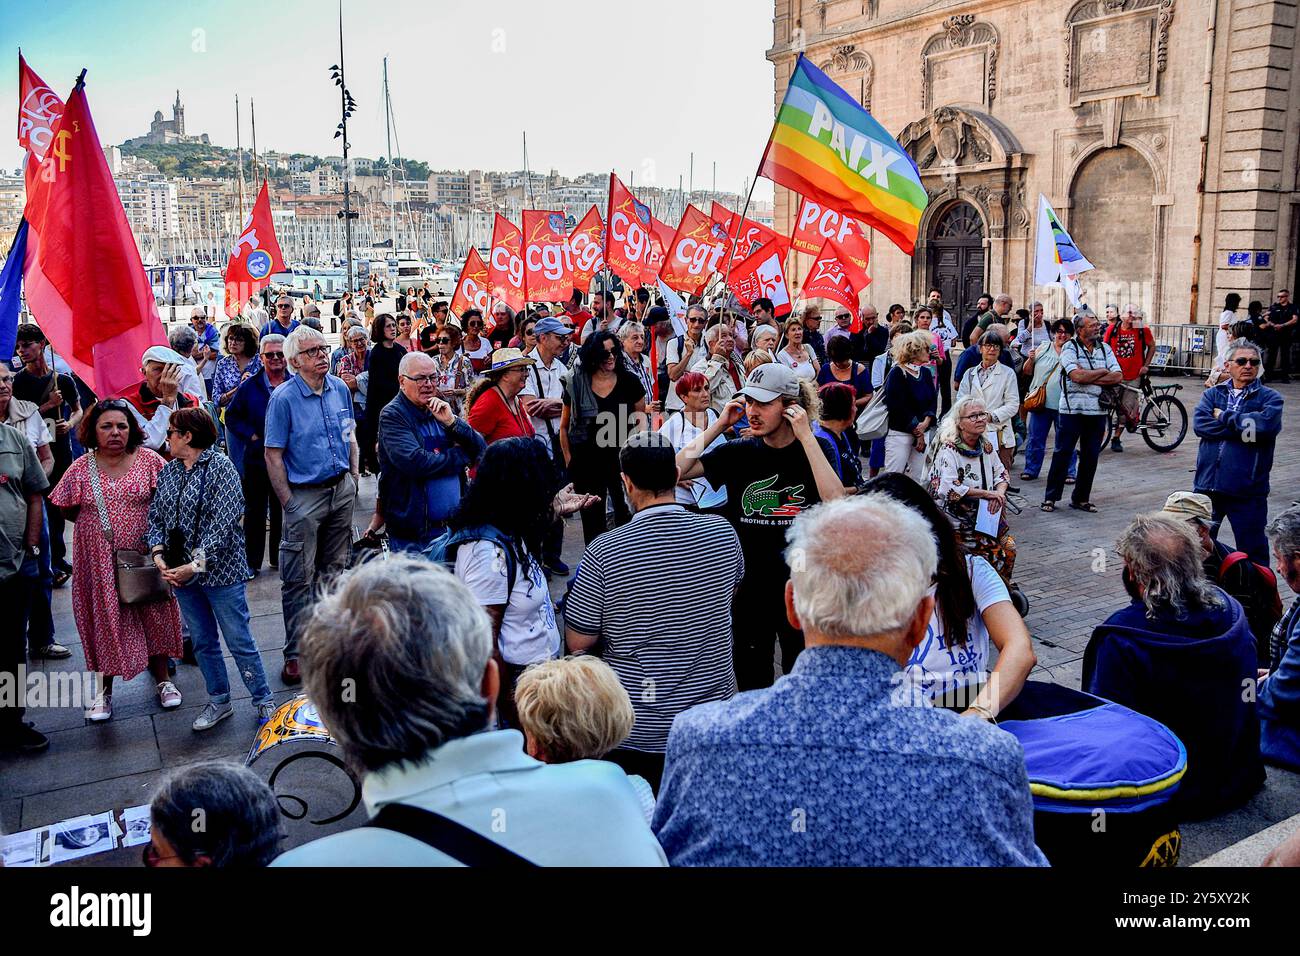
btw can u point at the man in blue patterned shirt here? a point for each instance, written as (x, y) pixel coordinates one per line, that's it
(838, 764)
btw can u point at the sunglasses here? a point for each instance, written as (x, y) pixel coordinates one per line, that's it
(284, 305)
(272, 355)
(1246, 361)
(442, 341)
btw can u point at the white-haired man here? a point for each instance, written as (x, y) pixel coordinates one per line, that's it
(312, 463)
(722, 367)
(837, 764)
(445, 788)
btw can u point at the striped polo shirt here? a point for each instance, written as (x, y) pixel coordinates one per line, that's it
(657, 591)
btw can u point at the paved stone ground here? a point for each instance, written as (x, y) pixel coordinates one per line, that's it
(91, 768)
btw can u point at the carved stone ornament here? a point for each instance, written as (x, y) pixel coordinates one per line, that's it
(960, 33)
(849, 59)
(1098, 10)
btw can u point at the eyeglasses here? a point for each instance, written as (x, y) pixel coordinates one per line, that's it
(697, 321)
(1246, 361)
(422, 379)
(284, 305)
(315, 350)
(149, 856)
(442, 341)
(976, 415)
(272, 355)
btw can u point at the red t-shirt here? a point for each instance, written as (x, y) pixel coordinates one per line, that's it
(494, 420)
(579, 319)
(1129, 346)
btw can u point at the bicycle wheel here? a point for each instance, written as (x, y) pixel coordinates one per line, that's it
(1164, 423)
(1110, 430)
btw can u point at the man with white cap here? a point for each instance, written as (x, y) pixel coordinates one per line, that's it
(160, 394)
(1254, 586)
(543, 397)
(771, 477)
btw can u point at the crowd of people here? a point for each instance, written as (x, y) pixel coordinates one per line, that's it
(650, 694)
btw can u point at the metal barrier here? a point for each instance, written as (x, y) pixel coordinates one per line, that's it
(1184, 349)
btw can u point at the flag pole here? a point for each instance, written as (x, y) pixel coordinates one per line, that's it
(239, 155)
(252, 113)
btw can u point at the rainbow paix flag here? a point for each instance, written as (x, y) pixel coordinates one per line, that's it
(829, 149)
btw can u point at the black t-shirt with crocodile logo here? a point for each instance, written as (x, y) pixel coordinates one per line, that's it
(767, 488)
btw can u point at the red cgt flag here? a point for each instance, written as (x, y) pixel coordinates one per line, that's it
(506, 264)
(586, 249)
(472, 288)
(661, 237)
(762, 275)
(84, 280)
(831, 278)
(694, 253)
(254, 257)
(629, 235)
(548, 271)
(815, 224)
(746, 234)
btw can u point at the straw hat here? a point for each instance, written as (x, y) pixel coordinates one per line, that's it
(505, 359)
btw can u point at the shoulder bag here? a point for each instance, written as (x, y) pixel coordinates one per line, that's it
(135, 576)
(447, 836)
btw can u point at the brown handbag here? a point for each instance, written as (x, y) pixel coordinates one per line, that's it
(1035, 399)
(135, 576)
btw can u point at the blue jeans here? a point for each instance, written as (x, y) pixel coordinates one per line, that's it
(1249, 515)
(1040, 422)
(204, 608)
(35, 618)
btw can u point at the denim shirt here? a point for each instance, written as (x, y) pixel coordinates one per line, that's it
(838, 764)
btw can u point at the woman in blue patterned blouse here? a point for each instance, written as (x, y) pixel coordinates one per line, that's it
(239, 362)
(196, 538)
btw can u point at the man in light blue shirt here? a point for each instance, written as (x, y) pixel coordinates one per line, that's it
(840, 763)
(312, 463)
(417, 648)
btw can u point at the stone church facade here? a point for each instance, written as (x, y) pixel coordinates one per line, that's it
(1163, 132)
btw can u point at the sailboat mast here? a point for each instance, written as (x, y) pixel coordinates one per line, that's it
(252, 114)
(388, 132)
(239, 152)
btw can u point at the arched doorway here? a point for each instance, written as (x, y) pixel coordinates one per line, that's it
(955, 257)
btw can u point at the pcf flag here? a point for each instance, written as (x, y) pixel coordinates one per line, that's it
(586, 249)
(506, 264)
(829, 149)
(830, 278)
(694, 253)
(39, 107)
(762, 276)
(254, 257)
(548, 273)
(472, 288)
(85, 283)
(1058, 260)
(815, 224)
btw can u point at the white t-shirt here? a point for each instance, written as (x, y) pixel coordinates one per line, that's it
(672, 401)
(802, 369)
(552, 379)
(934, 669)
(681, 433)
(528, 630)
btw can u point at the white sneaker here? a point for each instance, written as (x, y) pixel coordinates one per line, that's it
(211, 715)
(168, 695)
(101, 710)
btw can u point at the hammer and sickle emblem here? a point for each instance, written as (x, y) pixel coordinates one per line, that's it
(60, 149)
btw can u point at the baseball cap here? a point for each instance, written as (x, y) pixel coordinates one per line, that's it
(767, 383)
(551, 324)
(1189, 504)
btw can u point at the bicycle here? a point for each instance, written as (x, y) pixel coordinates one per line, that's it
(1162, 418)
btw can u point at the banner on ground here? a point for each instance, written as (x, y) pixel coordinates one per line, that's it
(829, 149)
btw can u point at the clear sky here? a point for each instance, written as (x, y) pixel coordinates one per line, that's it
(622, 84)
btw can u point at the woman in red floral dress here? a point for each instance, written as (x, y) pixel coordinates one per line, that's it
(119, 640)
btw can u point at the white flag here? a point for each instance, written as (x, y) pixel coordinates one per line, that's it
(676, 307)
(1058, 261)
